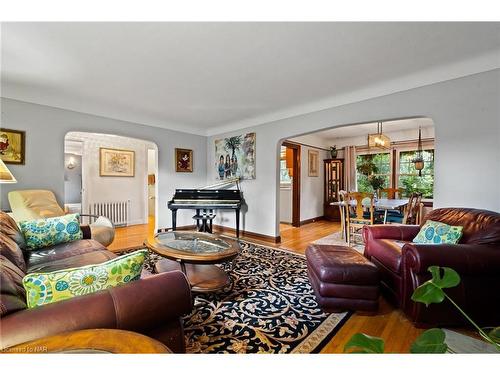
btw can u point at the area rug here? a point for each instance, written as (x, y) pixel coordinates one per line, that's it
(336, 239)
(268, 307)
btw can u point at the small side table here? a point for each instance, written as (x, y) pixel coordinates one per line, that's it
(90, 341)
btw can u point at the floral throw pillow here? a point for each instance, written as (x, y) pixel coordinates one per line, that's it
(49, 287)
(51, 231)
(434, 232)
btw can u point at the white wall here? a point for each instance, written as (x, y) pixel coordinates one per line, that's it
(466, 115)
(100, 189)
(286, 204)
(46, 128)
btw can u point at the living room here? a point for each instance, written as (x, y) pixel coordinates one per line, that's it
(166, 171)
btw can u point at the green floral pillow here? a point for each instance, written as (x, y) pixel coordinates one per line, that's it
(51, 231)
(434, 232)
(49, 287)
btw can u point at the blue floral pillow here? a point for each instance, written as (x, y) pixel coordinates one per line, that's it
(434, 232)
(51, 231)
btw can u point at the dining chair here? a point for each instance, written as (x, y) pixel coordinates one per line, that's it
(413, 210)
(390, 193)
(361, 214)
(343, 208)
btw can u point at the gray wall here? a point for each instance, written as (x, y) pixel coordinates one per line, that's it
(72, 180)
(44, 169)
(466, 115)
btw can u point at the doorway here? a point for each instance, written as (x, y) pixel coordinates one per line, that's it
(290, 183)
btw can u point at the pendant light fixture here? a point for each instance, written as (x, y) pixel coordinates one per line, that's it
(419, 158)
(379, 140)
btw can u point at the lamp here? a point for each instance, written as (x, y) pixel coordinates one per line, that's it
(6, 176)
(419, 158)
(379, 140)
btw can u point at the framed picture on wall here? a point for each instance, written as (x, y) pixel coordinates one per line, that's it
(12, 146)
(183, 160)
(313, 162)
(116, 163)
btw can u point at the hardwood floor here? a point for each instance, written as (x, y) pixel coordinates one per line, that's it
(389, 324)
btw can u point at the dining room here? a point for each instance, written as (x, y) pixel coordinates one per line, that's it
(380, 172)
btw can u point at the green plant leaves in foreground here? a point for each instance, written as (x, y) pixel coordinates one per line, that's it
(432, 291)
(430, 341)
(361, 343)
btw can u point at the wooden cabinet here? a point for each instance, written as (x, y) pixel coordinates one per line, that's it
(334, 181)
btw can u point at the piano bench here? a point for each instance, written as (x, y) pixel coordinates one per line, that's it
(206, 222)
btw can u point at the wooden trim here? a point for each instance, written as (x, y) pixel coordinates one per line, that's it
(263, 237)
(314, 219)
(306, 145)
(226, 230)
(185, 227)
(295, 182)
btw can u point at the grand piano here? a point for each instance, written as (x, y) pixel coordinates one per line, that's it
(211, 197)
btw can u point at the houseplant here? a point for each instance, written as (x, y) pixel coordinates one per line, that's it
(333, 151)
(431, 340)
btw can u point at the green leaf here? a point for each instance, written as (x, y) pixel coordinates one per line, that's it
(450, 277)
(431, 291)
(361, 343)
(494, 334)
(428, 293)
(430, 341)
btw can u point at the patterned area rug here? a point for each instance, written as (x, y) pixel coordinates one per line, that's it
(269, 307)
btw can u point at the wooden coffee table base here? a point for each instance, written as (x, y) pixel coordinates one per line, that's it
(202, 277)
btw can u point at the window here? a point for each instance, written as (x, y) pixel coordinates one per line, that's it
(284, 173)
(408, 178)
(382, 163)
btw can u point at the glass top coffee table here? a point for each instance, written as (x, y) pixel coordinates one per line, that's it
(195, 254)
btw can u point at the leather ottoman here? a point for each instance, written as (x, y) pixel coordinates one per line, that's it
(342, 278)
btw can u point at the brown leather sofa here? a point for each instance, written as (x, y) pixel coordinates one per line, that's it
(403, 266)
(152, 305)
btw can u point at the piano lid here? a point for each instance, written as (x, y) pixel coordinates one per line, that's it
(224, 184)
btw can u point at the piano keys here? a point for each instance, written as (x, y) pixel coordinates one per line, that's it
(207, 198)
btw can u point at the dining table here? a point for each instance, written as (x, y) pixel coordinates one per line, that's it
(384, 204)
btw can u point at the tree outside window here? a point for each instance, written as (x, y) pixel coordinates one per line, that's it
(408, 178)
(382, 163)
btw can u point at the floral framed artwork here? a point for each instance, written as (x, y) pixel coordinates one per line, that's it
(183, 160)
(313, 162)
(116, 163)
(12, 146)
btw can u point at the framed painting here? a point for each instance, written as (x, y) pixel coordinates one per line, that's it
(235, 157)
(313, 161)
(183, 160)
(12, 146)
(116, 163)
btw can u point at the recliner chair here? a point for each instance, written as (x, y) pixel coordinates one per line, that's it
(39, 204)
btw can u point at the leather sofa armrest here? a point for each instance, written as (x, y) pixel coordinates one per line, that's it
(138, 306)
(390, 232)
(87, 233)
(466, 259)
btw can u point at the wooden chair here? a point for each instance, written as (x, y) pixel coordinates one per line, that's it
(390, 193)
(358, 217)
(413, 209)
(343, 208)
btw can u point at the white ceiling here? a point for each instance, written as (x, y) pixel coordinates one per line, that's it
(371, 128)
(206, 78)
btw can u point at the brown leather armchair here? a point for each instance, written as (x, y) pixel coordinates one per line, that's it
(152, 305)
(403, 265)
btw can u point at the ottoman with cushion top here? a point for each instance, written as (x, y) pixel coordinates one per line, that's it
(342, 278)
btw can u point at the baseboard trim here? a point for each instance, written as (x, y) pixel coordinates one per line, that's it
(184, 227)
(312, 220)
(257, 236)
(226, 230)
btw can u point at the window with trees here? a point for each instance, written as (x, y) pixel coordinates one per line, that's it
(409, 180)
(378, 165)
(285, 177)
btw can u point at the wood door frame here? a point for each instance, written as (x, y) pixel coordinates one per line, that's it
(295, 182)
